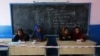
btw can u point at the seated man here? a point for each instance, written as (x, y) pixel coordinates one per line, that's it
(20, 36)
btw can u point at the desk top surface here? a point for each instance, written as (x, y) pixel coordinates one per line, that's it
(87, 42)
(24, 43)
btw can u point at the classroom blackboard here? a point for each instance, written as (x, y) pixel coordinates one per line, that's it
(50, 16)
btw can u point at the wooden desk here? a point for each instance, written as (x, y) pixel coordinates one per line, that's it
(27, 49)
(63, 51)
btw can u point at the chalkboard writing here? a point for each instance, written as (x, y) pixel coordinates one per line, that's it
(50, 16)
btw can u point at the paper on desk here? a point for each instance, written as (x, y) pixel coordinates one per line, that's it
(15, 43)
(34, 42)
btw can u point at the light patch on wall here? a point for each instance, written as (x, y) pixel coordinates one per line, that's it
(95, 13)
(5, 16)
(5, 13)
(21, 1)
(5, 22)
